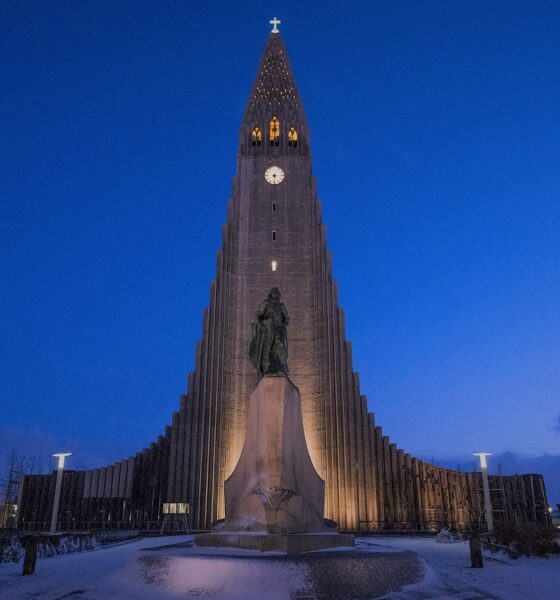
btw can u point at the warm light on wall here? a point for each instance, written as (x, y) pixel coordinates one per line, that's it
(274, 265)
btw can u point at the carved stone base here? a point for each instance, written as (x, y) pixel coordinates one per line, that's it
(275, 497)
(291, 544)
(275, 488)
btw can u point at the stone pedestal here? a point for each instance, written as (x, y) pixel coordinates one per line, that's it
(274, 499)
(274, 487)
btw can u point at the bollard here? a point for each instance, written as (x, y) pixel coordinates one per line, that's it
(30, 558)
(475, 546)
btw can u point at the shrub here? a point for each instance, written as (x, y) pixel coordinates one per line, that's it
(531, 539)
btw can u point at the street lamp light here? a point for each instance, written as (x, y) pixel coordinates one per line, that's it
(58, 488)
(486, 490)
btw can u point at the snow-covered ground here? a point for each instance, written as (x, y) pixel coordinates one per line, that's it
(449, 576)
(135, 571)
(72, 575)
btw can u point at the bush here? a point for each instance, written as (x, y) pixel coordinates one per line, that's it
(11, 550)
(531, 539)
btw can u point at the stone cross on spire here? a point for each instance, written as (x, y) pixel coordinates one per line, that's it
(275, 22)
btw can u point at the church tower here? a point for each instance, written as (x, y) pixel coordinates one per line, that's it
(274, 237)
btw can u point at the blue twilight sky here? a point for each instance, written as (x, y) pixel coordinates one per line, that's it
(436, 143)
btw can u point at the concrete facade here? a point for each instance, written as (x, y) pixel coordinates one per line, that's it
(274, 236)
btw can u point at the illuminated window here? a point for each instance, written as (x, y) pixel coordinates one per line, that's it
(274, 131)
(274, 207)
(274, 265)
(292, 137)
(176, 508)
(256, 137)
(274, 236)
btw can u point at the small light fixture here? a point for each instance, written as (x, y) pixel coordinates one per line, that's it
(61, 457)
(274, 265)
(482, 456)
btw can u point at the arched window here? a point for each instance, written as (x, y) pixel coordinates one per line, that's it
(292, 137)
(274, 131)
(256, 137)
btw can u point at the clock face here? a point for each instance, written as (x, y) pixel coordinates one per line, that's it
(274, 175)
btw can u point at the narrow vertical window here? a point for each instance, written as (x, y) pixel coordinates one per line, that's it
(292, 137)
(274, 265)
(256, 137)
(274, 236)
(274, 131)
(274, 207)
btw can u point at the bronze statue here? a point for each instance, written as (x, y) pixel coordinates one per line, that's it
(268, 350)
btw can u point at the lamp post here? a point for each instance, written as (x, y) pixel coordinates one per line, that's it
(486, 490)
(58, 488)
